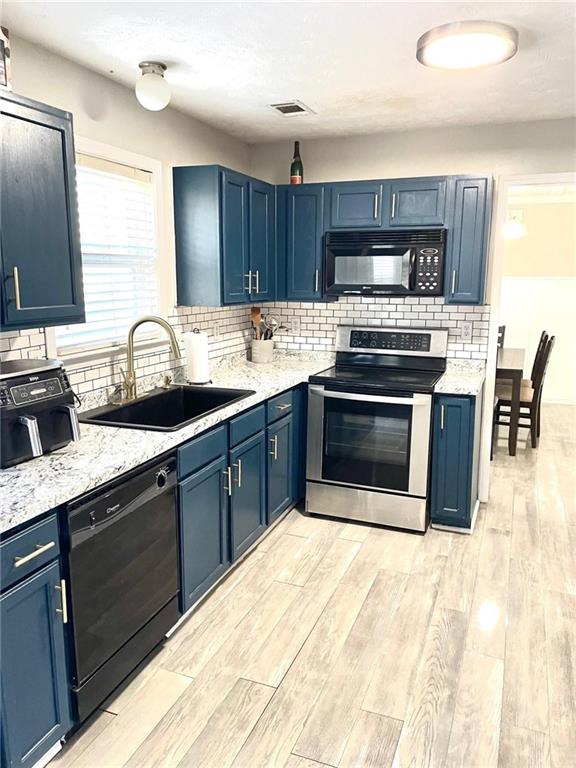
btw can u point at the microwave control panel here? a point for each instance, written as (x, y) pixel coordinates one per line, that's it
(429, 265)
(391, 341)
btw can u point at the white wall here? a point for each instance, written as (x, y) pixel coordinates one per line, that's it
(531, 147)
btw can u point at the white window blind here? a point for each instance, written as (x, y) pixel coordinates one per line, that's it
(119, 254)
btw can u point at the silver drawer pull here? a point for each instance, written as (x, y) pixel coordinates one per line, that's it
(31, 425)
(238, 465)
(228, 475)
(40, 549)
(283, 406)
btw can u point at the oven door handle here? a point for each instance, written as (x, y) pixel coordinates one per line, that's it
(415, 399)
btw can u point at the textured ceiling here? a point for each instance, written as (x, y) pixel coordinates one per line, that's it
(352, 63)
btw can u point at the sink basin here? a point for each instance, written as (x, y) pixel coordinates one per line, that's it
(165, 410)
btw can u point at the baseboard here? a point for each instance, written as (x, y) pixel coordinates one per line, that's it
(456, 528)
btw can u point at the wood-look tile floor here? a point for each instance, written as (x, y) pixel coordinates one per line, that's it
(345, 645)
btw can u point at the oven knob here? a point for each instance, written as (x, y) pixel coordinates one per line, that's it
(372, 343)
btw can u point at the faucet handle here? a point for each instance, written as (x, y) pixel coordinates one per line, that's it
(167, 382)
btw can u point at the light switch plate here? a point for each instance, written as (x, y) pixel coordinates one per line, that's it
(295, 325)
(466, 331)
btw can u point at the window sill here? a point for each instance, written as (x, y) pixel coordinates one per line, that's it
(112, 353)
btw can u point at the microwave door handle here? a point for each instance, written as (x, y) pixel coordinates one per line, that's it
(31, 425)
(412, 279)
(413, 400)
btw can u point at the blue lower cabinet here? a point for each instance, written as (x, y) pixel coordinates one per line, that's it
(203, 503)
(280, 458)
(248, 493)
(299, 430)
(34, 675)
(452, 461)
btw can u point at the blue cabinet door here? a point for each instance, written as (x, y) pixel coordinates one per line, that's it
(468, 242)
(452, 457)
(358, 204)
(35, 700)
(248, 499)
(235, 253)
(299, 424)
(41, 258)
(262, 238)
(417, 202)
(280, 458)
(204, 550)
(304, 233)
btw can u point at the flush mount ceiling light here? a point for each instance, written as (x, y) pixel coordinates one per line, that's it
(152, 91)
(467, 44)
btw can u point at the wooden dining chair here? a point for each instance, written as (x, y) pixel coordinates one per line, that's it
(537, 358)
(530, 399)
(501, 335)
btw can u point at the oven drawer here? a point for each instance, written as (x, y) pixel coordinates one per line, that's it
(25, 552)
(279, 406)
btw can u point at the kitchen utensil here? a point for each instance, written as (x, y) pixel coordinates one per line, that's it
(272, 326)
(256, 318)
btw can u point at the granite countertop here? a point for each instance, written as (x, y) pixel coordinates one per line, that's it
(35, 487)
(462, 377)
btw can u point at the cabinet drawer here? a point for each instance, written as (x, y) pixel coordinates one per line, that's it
(279, 406)
(27, 551)
(246, 425)
(202, 450)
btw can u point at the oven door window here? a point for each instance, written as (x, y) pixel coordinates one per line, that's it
(367, 444)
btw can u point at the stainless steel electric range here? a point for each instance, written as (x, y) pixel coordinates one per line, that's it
(369, 420)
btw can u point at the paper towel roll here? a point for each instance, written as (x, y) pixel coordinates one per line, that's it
(197, 366)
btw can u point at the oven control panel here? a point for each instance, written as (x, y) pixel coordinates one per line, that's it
(390, 341)
(428, 271)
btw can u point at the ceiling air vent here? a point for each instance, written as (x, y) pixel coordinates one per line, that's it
(291, 108)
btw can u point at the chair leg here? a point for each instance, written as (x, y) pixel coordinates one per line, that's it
(534, 427)
(538, 412)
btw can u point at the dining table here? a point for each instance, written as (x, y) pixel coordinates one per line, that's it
(510, 367)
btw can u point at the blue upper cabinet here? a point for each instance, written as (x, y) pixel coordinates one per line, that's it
(224, 225)
(205, 556)
(35, 700)
(262, 241)
(303, 219)
(235, 255)
(247, 493)
(417, 202)
(452, 459)
(356, 204)
(468, 241)
(41, 257)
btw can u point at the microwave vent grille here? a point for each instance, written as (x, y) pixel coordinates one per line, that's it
(388, 237)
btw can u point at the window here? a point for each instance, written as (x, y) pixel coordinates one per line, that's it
(119, 253)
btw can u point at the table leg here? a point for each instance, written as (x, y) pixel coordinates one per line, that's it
(514, 412)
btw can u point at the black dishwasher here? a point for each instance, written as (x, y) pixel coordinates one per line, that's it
(123, 564)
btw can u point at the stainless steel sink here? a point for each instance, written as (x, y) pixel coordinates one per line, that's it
(165, 410)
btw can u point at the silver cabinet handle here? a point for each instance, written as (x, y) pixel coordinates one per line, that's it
(248, 287)
(40, 549)
(238, 466)
(376, 206)
(453, 285)
(64, 609)
(393, 205)
(16, 277)
(257, 275)
(283, 406)
(31, 425)
(274, 451)
(74, 423)
(228, 475)
(442, 418)
(316, 280)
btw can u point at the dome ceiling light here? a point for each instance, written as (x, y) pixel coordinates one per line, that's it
(152, 91)
(467, 44)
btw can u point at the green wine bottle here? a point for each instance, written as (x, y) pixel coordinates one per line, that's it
(296, 167)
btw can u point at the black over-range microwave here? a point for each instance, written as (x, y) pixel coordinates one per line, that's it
(385, 262)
